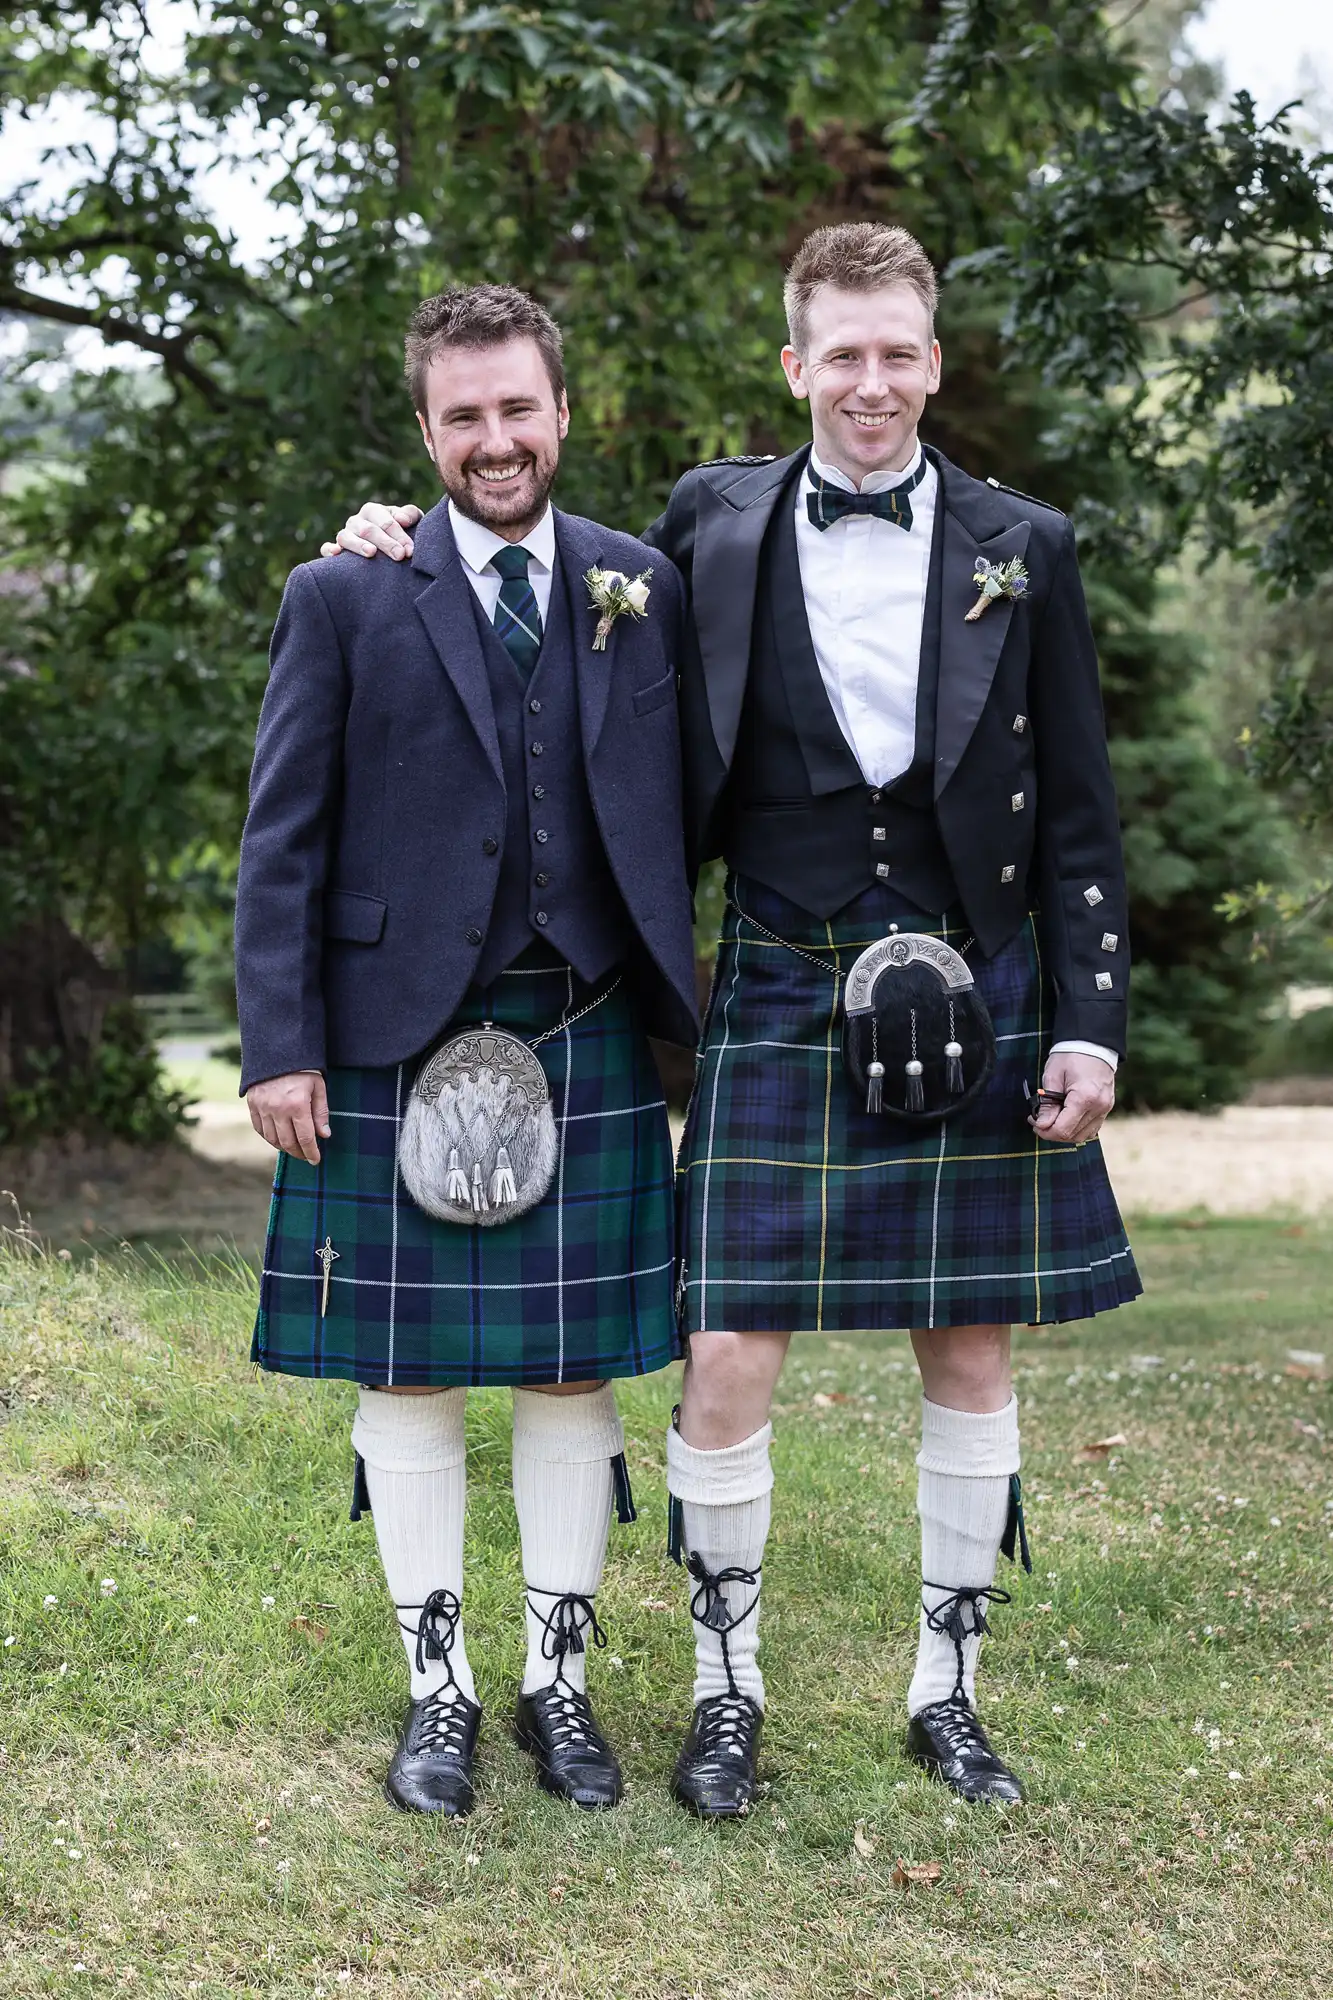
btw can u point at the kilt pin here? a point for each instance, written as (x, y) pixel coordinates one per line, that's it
(578, 1289)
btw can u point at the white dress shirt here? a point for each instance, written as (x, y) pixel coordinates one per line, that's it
(864, 581)
(476, 546)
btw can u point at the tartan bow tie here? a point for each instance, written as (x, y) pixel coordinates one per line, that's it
(828, 503)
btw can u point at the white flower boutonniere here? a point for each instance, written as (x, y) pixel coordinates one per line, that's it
(997, 580)
(612, 593)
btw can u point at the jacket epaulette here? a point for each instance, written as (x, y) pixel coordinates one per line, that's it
(1018, 494)
(764, 458)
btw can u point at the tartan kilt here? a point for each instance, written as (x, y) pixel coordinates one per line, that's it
(577, 1289)
(800, 1211)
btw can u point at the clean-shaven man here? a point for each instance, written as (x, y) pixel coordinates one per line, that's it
(873, 754)
(465, 829)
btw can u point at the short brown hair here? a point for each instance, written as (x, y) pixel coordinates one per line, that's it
(479, 316)
(857, 257)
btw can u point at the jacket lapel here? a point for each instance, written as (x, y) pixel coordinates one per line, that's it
(971, 526)
(446, 612)
(728, 537)
(580, 548)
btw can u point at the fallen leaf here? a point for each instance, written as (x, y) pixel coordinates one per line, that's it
(1305, 1430)
(653, 1604)
(1100, 1446)
(863, 1846)
(918, 1874)
(263, 1825)
(311, 1630)
(1306, 1364)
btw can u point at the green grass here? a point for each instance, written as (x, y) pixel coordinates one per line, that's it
(189, 1791)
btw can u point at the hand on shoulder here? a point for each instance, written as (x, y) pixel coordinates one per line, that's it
(376, 529)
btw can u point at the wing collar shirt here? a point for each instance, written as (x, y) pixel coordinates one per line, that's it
(864, 581)
(476, 545)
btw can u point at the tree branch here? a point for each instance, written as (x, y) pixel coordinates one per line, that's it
(171, 348)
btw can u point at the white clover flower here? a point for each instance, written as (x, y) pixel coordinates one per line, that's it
(109, 1586)
(50, 1603)
(267, 1603)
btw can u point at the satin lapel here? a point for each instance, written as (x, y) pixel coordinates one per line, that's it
(445, 609)
(729, 533)
(580, 549)
(969, 654)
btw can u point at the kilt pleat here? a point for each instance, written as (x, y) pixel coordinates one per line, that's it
(578, 1289)
(799, 1210)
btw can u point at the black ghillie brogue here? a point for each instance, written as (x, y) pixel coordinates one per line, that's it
(948, 1740)
(431, 1770)
(717, 1771)
(556, 1725)
(946, 1737)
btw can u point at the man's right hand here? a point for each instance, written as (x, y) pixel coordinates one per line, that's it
(373, 527)
(288, 1111)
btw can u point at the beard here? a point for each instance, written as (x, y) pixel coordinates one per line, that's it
(517, 503)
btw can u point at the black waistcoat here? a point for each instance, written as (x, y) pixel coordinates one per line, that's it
(556, 884)
(802, 819)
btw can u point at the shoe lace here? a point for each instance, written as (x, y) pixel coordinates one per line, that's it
(442, 1719)
(725, 1725)
(568, 1626)
(709, 1608)
(960, 1615)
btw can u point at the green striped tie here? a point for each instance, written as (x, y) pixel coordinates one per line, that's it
(517, 619)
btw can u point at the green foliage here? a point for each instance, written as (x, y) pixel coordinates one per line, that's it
(644, 169)
(119, 1093)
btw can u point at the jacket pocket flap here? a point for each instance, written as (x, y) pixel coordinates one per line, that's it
(353, 917)
(649, 698)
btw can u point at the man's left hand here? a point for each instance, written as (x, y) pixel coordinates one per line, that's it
(1089, 1087)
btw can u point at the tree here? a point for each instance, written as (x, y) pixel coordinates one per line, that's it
(644, 169)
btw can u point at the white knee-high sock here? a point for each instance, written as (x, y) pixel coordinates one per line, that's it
(416, 1474)
(965, 1463)
(563, 1486)
(726, 1499)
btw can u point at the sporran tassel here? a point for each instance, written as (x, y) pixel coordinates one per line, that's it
(953, 1056)
(875, 1087)
(480, 1205)
(456, 1187)
(916, 1090)
(502, 1180)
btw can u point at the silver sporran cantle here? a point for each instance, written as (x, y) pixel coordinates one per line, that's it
(479, 1144)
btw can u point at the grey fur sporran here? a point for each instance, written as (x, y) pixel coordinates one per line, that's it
(479, 1144)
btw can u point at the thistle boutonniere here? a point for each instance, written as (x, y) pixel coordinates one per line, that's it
(612, 593)
(994, 580)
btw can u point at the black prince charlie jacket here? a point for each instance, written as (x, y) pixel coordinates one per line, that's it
(1023, 795)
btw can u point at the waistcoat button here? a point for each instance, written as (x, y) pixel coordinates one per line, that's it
(541, 918)
(534, 708)
(539, 791)
(536, 749)
(490, 845)
(541, 880)
(474, 935)
(541, 835)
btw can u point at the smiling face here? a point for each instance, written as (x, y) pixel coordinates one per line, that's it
(870, 361)
(493, 426)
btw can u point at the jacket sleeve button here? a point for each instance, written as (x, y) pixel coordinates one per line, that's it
(474, 935)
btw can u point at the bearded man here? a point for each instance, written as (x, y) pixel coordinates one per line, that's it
(893, 733)
(462, 905)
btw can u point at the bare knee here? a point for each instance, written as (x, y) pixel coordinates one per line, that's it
(565, 1388)
(729, 1383)
(965, 1367)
